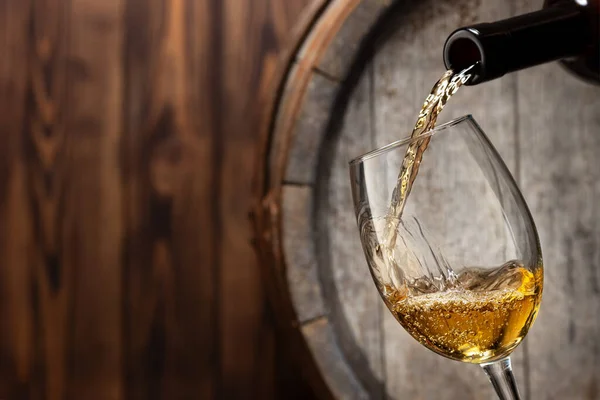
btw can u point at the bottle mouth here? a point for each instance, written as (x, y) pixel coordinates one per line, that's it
(462, 50)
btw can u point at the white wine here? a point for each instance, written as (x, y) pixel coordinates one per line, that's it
(482, 318)
(441, 92)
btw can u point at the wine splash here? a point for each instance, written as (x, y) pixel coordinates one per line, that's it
(441, 92)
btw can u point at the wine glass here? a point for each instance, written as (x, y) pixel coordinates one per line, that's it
(460, 267)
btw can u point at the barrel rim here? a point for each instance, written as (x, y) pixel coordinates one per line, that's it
(264, 211)
(301, 62)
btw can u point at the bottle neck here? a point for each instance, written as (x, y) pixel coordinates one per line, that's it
(559, 32)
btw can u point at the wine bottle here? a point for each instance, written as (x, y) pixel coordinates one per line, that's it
(564, 30)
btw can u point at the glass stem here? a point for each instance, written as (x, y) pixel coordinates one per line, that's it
(501, 375)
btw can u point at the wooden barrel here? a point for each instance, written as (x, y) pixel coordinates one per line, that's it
(355, 80)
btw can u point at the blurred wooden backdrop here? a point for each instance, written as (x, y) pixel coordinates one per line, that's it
(127, 141)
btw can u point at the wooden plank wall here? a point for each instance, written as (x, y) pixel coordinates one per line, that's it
(127, 143)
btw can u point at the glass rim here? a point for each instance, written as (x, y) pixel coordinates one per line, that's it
(407, 140)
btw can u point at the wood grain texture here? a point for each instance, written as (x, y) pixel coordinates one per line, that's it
(18, 377)
(559, 122)
(127, 142)
(169, 177)
(89, 232)
(72, 269)
(308, 133)
(338, 58)
(321, 337)
(249, 57)
(302, 271)
(354, 305)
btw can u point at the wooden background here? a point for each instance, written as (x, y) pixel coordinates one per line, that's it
(127, 141)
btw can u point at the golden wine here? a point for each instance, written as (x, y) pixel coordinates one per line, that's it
(482, 319)
(441, 92)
